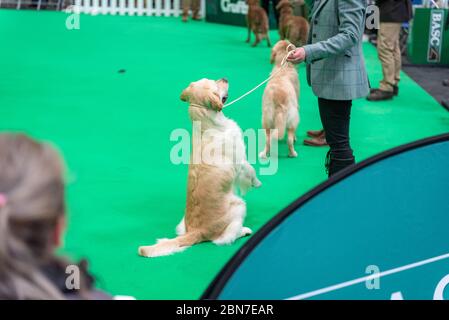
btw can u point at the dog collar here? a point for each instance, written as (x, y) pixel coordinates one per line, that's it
(198, 106)
(203, 107)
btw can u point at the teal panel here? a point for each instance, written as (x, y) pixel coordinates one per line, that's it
(390, 214)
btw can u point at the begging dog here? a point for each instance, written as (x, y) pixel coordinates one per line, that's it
(280, 108)
(214, 211)
(291, 27)
(257, 22)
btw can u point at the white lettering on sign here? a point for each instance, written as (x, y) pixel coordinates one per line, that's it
(239, 7)
(437, 295)
(439, 290)
(435, 34)
(397, 296)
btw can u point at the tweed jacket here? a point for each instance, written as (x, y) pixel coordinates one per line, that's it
(335, 64)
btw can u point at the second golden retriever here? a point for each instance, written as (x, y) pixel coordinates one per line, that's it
(280, 108)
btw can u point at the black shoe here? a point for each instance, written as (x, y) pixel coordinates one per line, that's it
(380, 95)
(395, 90)
(334, 165)
(446, 83)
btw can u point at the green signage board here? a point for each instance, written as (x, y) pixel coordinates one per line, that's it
(231, 12)
(227, 11)
(428, 42)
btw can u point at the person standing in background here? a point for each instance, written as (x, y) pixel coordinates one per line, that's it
(300, 9)
(193, 5)
(266, 7)
(335, 70)
(393, 13)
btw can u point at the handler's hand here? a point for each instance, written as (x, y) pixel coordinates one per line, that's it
(297, 56)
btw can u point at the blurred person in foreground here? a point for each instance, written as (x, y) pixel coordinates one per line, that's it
(32, 220)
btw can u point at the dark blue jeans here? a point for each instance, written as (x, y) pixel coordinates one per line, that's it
(335, 117)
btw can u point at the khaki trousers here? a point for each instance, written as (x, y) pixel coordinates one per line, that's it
(389, 54)
(194, 5)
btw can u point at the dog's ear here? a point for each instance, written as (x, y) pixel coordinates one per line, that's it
(280, 5)
(185, 95)
(215, 101)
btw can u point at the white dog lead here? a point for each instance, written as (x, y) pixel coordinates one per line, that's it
(283, 64)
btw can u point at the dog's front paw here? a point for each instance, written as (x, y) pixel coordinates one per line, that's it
(246, 231)
(263, 155)
(293, 154)
(256, 183)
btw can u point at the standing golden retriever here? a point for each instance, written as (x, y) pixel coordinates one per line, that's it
(291, 27)
(257, 22)
(214, 211)
(280, 108)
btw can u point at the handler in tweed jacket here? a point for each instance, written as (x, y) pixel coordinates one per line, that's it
(336, 70)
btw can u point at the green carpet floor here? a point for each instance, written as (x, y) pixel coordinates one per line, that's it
(113, 129)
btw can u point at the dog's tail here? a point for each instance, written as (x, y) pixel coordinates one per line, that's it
(279, 124)
(165, 247)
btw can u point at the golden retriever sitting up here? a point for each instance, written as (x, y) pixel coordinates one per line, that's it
(280, 109)
(291, 27)
(214, 211)
(257, 22)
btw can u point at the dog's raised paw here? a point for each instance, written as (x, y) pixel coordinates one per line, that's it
(257, 183)
(263, 155)
(293, 154)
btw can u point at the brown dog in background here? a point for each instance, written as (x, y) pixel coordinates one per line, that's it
(257, 22)
(291, 27)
